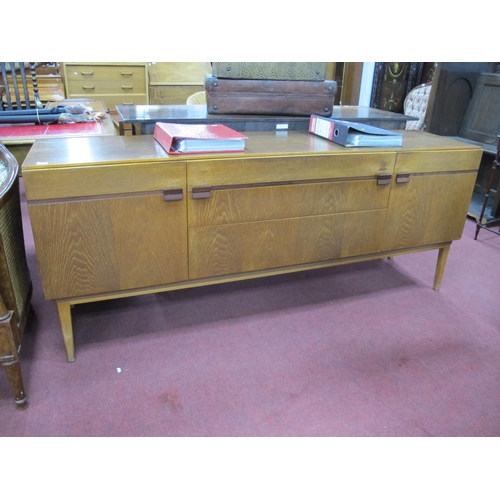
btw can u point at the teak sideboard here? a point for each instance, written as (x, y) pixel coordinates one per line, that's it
(116, 216)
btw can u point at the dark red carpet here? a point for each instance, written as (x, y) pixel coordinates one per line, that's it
(366, 349)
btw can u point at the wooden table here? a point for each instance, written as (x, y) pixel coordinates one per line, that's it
(116, 216)
(19, 138)
(143, 118)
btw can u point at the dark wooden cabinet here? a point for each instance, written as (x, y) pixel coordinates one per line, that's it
(452, 89)
(464, 103)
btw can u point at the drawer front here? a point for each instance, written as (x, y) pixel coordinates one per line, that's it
(255, 246)
(256, 171)
(249, 215)
(53, 184)
(233, 191)
(438, 161)
(112, 100)
(247, 204)
(100, 73)
(125, 99)
(106, 87)
(105, 79)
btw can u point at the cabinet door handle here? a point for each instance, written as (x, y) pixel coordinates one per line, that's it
(201, 192)
(402, 178)
(86, 73)
(88, 87)
(174, 194)
(384, 179)
(127, 86)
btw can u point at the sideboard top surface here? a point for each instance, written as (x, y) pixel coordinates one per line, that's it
(49, 153)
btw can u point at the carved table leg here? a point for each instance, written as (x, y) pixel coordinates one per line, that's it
(64, 309)
(441, 264)
(10, 338)
(13, 371)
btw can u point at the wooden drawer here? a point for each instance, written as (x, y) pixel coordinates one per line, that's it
(244, 171)
(437, 161)
(256, 246)
(259, 203)
(231, 191)
(248, 215)
(125, 99)
(53, 184)
(112, 100)
(106, 86)
(102, 73)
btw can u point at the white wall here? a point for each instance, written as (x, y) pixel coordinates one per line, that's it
(366, 84)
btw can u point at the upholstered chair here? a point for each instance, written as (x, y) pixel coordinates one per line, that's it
(416, 105)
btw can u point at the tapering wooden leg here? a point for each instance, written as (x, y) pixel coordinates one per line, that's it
(441, 264)
(13, 371)
(64, 309)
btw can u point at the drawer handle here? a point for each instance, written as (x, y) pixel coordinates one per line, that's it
(201, 192)
(127, 87)
(88, 87)
(384, 179)
(173, 194)
(86, 73)
(131, 103)
(126, 73)
(402, 178)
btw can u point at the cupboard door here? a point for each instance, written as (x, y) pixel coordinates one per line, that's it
(428, 209)
(107, 244)
(430, 197)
